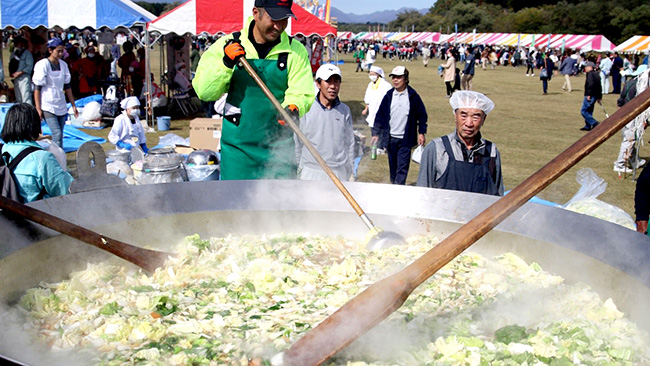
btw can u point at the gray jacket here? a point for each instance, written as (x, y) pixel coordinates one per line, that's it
(331, 133)
(435, 159)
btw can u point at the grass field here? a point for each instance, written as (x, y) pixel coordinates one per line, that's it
(529, 128)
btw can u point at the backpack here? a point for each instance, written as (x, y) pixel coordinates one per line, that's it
(7, 178)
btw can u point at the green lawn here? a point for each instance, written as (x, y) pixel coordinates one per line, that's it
(528, 127)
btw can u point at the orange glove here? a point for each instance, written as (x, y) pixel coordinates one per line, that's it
(232, 51)
(292, 109)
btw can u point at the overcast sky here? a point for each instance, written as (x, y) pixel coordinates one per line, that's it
(371, 6)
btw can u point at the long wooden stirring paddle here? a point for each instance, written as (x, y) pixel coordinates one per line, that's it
(145, 258)
(384, 297)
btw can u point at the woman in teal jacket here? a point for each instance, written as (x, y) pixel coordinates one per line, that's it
(39, 175)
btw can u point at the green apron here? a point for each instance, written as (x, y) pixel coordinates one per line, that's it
(258, 147)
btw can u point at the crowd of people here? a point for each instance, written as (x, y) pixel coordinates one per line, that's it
(604, 72)
(460, 160)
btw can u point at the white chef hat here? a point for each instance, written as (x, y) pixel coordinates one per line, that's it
(129, 102)
(471, 99)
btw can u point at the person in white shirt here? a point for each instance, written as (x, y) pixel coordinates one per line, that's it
(52, 84)
(127, 131)
(180, 78)
(375, 92)
(605, 68)
(371, 57)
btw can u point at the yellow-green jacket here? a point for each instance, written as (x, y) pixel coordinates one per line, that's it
(212, 77)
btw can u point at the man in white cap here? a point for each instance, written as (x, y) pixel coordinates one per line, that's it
(375, 92)
(328, 126)
(463, 160)
(627, 155)
(127, 132)
(401, 121)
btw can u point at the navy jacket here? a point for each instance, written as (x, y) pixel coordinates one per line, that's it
(416, 122)
(469, 64)
(642, 196)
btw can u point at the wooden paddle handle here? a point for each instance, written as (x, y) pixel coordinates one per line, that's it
(144, 258)
(378, 301)
(292, 124)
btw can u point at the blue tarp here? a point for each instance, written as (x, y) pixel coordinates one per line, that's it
(72, 137)
(536, 199)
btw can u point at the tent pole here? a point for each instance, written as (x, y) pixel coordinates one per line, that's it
(147, 70)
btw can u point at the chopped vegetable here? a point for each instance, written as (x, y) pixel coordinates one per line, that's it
(224, 301)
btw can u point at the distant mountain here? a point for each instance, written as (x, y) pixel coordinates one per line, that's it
(384, 16)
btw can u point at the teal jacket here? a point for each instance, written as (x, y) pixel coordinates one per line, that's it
(39, 175)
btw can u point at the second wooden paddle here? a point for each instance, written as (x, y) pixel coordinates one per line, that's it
(384, 297)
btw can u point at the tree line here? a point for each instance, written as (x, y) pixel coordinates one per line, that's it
(158, 8)
(616, 20)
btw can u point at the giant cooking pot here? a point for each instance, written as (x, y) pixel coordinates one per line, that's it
(613, 260)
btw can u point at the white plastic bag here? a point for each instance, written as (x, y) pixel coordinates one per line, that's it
(58, 152)
(172, 139)
(91, 112)
(585, 201)
(111, 93)
(417, 154)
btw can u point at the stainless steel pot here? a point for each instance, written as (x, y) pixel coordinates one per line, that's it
(613, 260)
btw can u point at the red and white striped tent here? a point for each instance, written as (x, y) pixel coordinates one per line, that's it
(583, 42)
(227, 16)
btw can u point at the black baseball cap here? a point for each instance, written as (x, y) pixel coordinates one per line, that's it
(277, 9)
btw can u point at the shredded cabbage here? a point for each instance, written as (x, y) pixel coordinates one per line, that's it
(224, 301)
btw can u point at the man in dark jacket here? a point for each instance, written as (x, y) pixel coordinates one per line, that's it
(642, 201)
(468, 71)
(402, 121)
(593, 94)
(617, 67)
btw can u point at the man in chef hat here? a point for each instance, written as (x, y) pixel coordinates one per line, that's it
(463, 160)
(127, 132)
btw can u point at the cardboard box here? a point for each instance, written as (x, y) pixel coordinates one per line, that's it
(205, 133)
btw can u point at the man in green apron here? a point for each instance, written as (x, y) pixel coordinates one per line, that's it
(254, 145)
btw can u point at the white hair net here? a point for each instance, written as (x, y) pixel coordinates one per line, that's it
(471, 99)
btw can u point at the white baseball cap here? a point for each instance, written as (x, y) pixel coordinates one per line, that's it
(326, 71)
(398, 71)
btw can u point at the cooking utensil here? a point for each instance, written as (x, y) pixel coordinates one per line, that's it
(604, 111)
(377, 238)
(384, 297)
(91, 170)
(141, 257)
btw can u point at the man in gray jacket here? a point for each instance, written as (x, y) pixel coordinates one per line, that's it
(463, 160)
(21, 67)
(328, 126)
